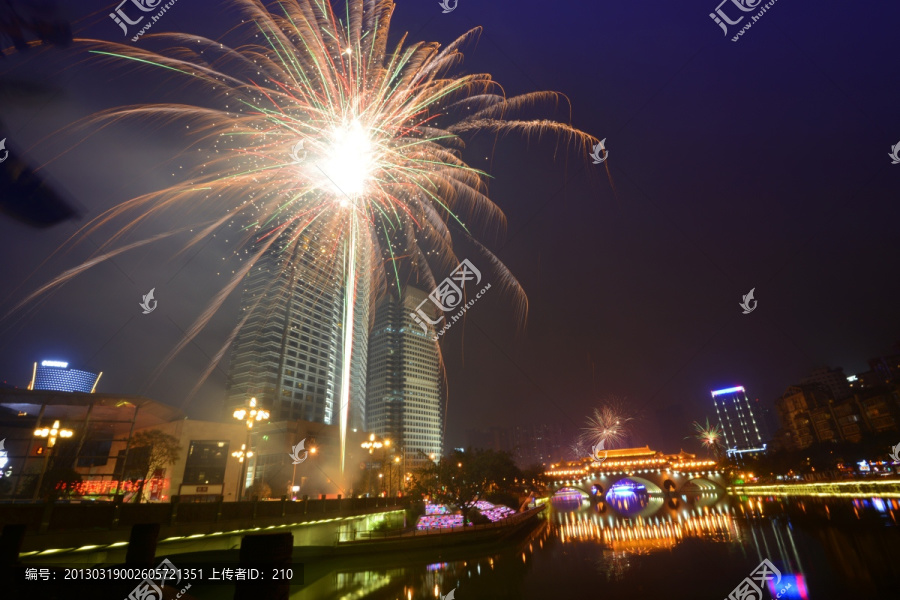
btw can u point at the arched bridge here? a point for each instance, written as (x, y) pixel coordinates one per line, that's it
(657, 472)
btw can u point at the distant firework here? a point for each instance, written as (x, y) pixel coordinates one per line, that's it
(709, 435)
(608, 423)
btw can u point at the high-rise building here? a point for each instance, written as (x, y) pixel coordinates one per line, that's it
(289, 350)
(55, 375)
(833, 379)
(540, 443)
(405, 401)
(738, 421)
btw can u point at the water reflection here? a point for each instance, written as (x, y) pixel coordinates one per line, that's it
(698, 545)
(632, 499)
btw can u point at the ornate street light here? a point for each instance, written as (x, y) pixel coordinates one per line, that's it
(372, 444)
(240, 454)
(250, 415)
(52, 433)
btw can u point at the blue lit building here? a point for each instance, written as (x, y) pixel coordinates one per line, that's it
(56, 376)
(742, 429)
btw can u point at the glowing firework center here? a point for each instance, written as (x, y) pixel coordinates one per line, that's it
(348, 162)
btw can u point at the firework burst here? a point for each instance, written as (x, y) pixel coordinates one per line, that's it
(709, 435)
(608, 423)
(322, 136)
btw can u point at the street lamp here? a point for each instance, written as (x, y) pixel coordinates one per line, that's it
(372, 444)
(240, 454)
(51, 434)
(250, 415)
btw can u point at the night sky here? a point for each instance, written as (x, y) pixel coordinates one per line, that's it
(758, 164)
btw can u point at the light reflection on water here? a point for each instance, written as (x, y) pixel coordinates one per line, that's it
(698, 545)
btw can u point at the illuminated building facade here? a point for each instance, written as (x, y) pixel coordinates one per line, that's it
(809, 415)
(56, 376)
(289, 352)
(405, 389)
(739, 424)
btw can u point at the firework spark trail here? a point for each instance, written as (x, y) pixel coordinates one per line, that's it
(709, 435)
(608, 423)
(381, 129)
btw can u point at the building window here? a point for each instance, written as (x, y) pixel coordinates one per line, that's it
(206, 462)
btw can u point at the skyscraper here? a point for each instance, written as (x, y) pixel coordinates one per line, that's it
(57, 376)
(833, 379)
(289, 350)
(405, 400)
(738, 421)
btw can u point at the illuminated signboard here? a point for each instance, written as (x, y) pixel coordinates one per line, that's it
(55, 363)
(730, 390)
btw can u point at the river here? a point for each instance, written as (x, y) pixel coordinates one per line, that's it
(639, 546)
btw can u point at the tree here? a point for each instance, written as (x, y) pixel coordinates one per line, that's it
(259, 489)
(463, 478)
(151, 451)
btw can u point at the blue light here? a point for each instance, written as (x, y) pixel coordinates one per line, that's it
(730, 390)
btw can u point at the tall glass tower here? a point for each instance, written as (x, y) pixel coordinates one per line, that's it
(737, 420)
(405, 392)
(288, 352)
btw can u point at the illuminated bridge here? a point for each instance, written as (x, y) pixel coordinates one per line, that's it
(659, 473)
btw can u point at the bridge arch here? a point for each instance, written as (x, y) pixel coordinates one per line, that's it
(651, 487)
(576, 488)
(701, 485)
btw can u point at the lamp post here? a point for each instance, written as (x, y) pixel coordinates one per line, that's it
(312, 452)
(376, 444)
(51, 434)
(240, 455)
(250, 415)
(394, 468)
